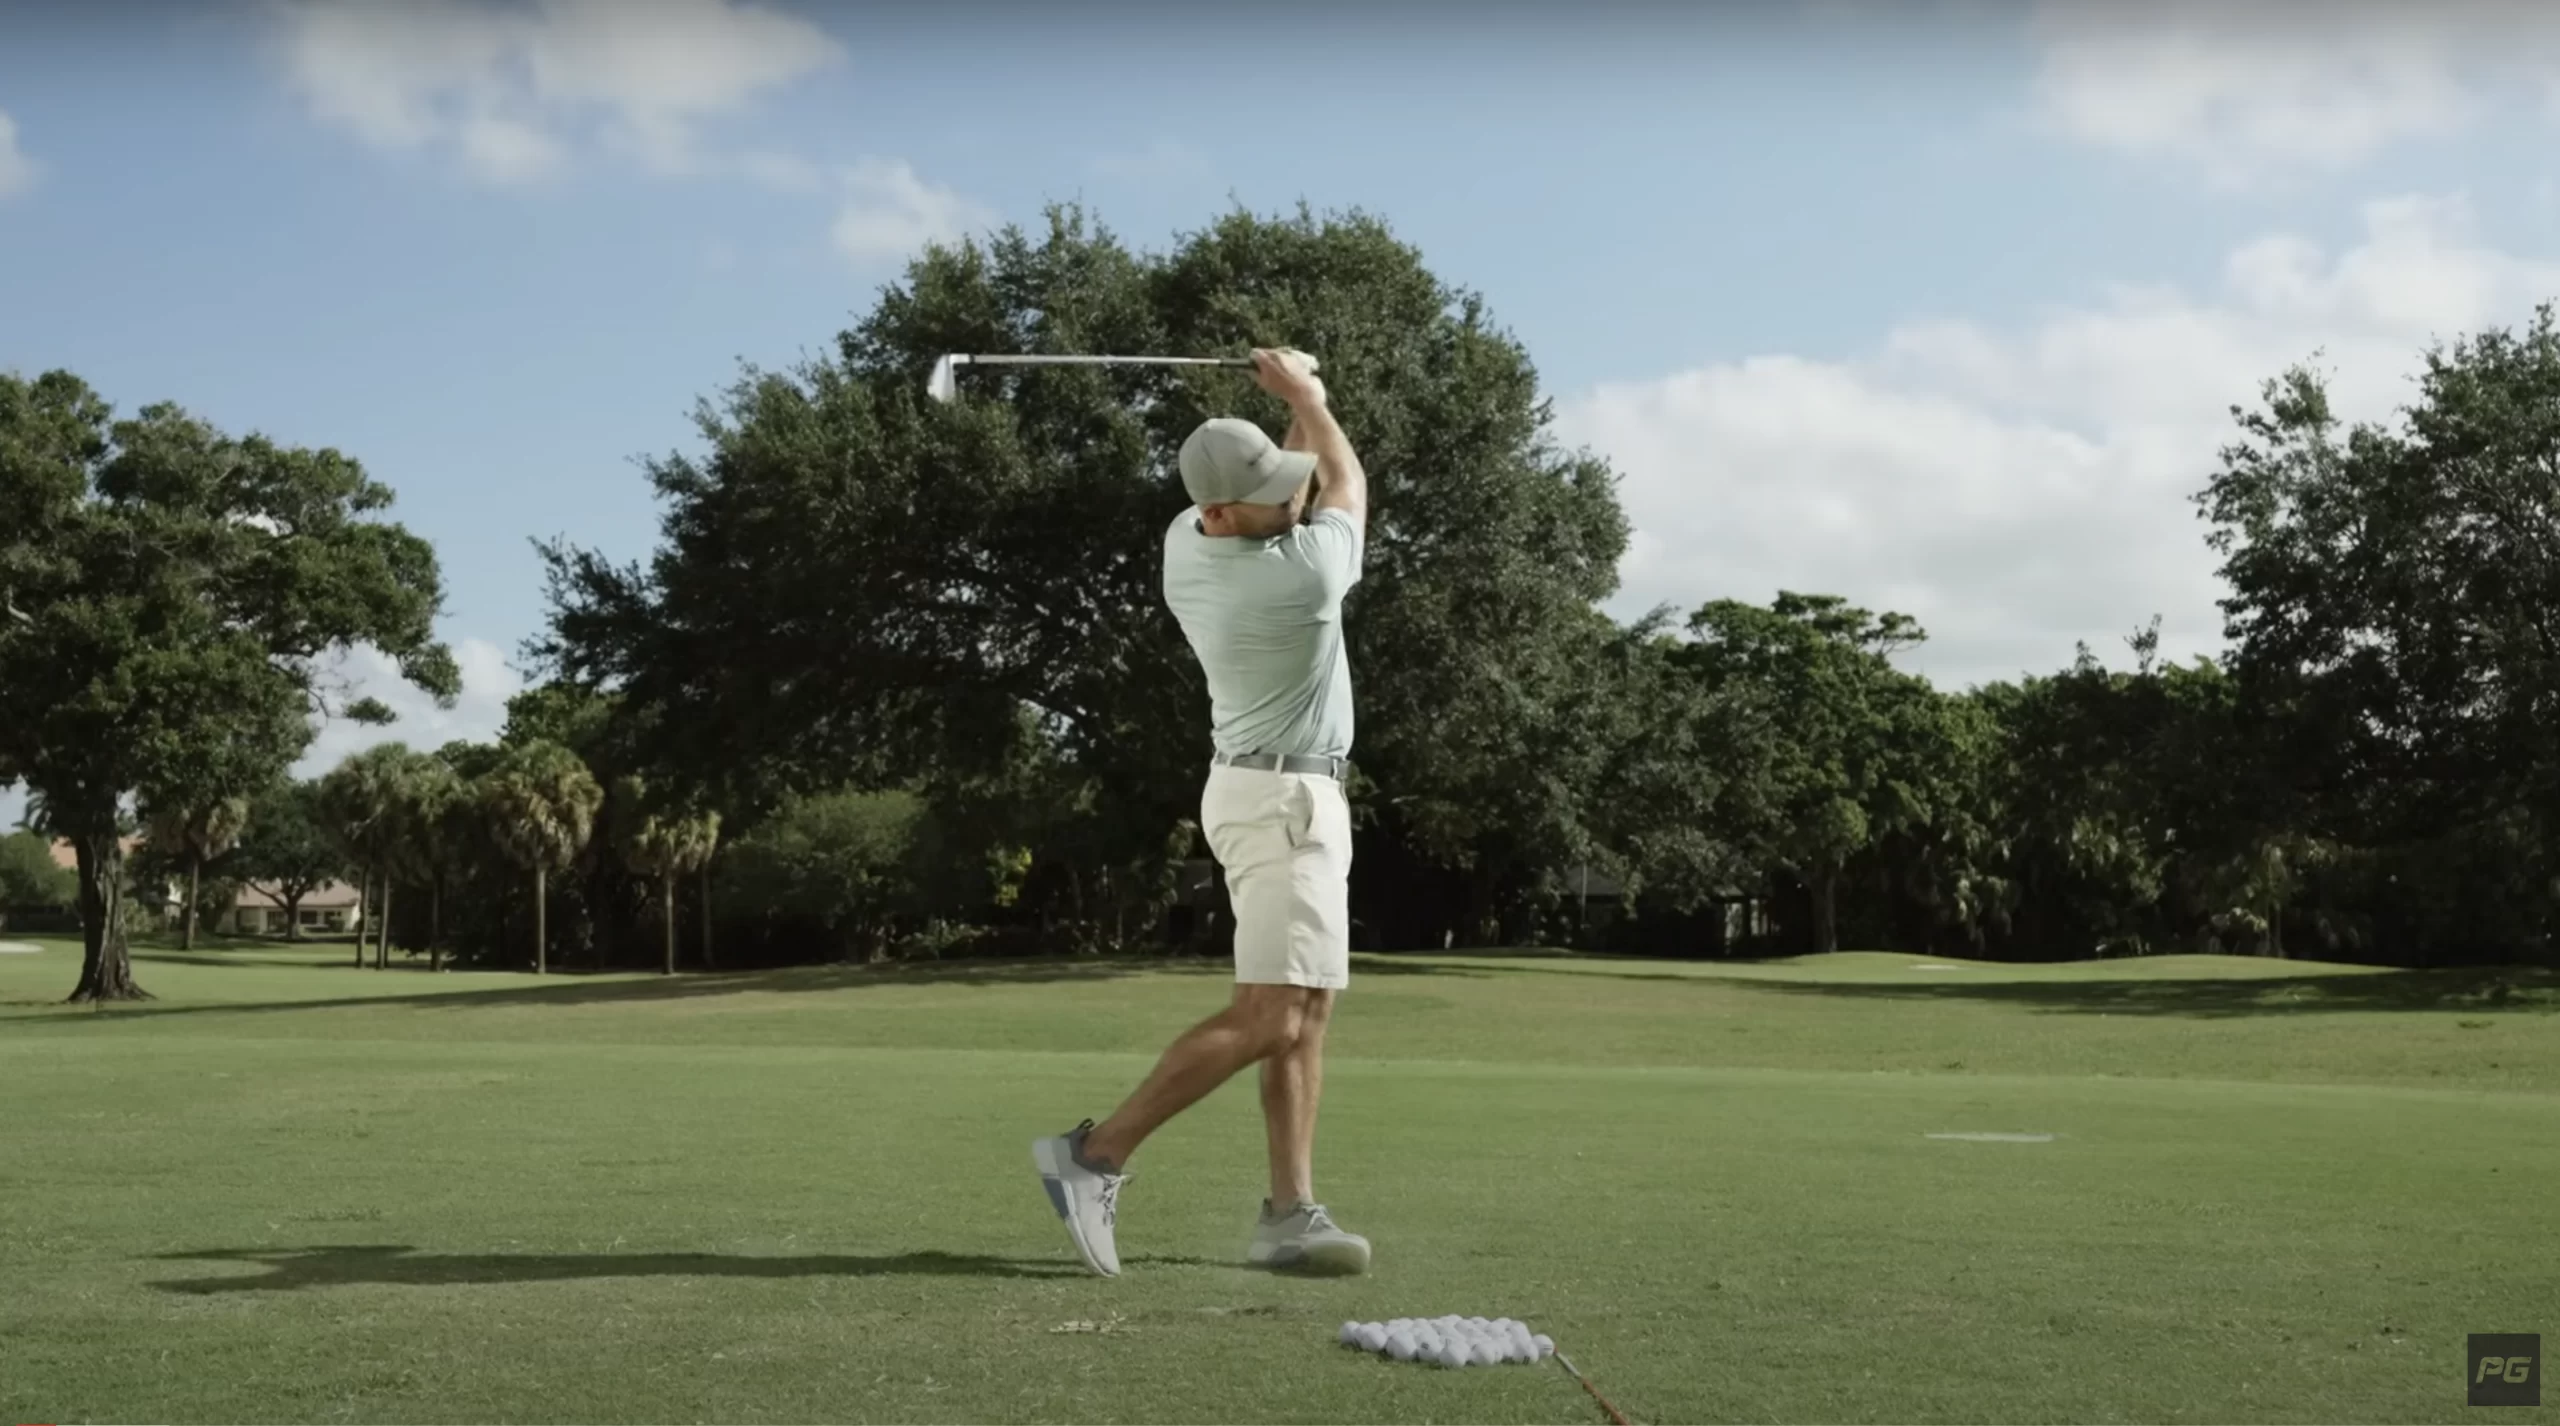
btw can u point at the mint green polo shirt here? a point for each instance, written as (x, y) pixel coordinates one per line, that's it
(1265, 618)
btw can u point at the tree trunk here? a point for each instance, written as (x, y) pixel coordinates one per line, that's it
(705, 884)
(364, 909)
(435, 923)
(541, 922)
(106, 963)
(667, 888)
(382, 930)
(195, 888)
(1825, 887)
(293, 917)
(601, 916)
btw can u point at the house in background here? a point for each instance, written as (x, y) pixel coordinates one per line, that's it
(329, 909)
(332, 908)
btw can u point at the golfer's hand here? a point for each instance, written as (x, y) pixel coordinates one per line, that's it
(1278, 371)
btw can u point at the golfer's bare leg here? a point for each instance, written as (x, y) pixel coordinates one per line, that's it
(1292, 1082)
(1262, 1021)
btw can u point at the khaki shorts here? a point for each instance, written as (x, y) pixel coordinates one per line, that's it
(1284, 841)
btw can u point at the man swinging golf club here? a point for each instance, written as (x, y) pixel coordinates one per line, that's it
(1256, 580)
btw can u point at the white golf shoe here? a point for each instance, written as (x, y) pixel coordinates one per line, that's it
(1087, 1199)
(1306, 1239)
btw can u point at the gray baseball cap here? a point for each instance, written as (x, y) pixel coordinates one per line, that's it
(1228, 461)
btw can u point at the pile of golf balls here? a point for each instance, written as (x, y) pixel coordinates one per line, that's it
(1450, 1341)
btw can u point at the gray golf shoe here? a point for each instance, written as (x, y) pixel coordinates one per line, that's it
(1305, 1239)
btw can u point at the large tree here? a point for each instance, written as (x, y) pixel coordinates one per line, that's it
(2394, 609)
(856, 582)
(181, 587)
(1852, 760)
(286, 853)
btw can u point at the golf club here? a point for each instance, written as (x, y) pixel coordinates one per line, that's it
(1615, 1415)
(944, 384)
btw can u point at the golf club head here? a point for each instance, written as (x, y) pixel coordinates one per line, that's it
(944, 384)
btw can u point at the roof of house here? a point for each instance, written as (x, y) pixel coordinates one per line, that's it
(327, 896)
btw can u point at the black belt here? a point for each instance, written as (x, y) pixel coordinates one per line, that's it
(1286, 762)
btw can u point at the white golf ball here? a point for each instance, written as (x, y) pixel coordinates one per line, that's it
(1453, 1355)
(1350, 1333)
(1400, 1346)
(1545, 1344)
(1373, 1337)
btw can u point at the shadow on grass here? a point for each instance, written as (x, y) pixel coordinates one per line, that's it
(2490, 990)
(294, 1269)
(2475, 990)
(576, 988)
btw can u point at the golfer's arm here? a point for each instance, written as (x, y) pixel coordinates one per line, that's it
(1340, 482)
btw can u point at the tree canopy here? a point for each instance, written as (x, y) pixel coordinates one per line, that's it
(898, 677)
(858, 583)
(181, 586)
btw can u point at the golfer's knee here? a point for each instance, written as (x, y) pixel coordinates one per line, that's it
(1274, 1023)
(1315, 1014)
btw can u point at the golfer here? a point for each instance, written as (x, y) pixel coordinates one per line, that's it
(1255, 572)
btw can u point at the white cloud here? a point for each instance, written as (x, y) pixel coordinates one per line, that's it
(17, 171)
(2247, 91)
(2019, 490)
(478, 714)
(889, 212)
(512, 89)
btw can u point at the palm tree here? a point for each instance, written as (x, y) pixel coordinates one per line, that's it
(360, 802)
(665, 843)
(431, 801)
(197, 832)
(541, 804)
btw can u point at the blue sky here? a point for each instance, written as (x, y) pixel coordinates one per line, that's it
(1937, 306)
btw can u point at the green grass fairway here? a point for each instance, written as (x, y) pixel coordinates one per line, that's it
(291, 1191)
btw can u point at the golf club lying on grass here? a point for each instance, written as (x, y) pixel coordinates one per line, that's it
(944, 384)
(1615, 1414)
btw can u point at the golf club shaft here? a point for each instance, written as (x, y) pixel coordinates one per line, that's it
(1035, 360)
(1615, 1414)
